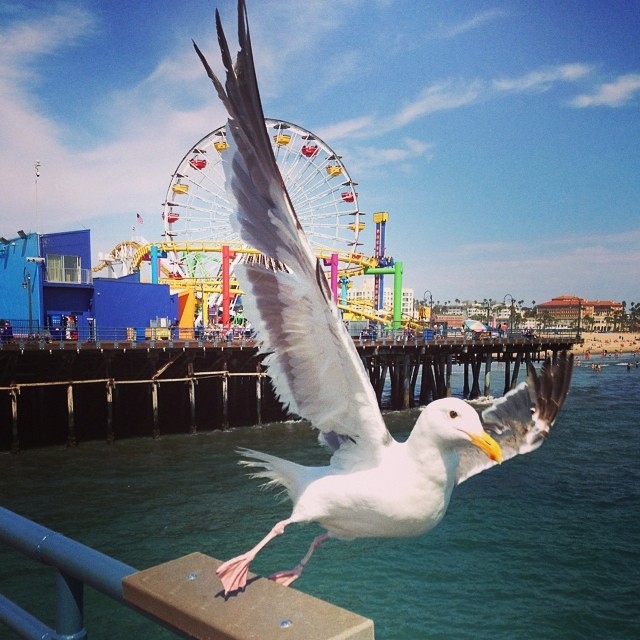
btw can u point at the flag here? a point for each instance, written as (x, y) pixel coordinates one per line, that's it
(139, 218)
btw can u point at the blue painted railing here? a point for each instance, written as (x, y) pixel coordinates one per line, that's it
(77, 565)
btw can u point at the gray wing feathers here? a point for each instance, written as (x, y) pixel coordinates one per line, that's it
(552, 387)
(522, 419)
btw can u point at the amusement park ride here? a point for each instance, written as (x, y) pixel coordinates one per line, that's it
(199, 247)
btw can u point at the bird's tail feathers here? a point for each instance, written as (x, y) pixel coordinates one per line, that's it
(277, 472)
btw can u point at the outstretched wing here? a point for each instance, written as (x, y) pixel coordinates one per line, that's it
(313, 363)
(522, 419)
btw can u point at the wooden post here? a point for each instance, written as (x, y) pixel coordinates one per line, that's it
(225, 398)
(15, 442)
(154, 408)
(110, 433)
(436, 378)
(259, 382)
(398, 389)
(431, 381)
(449, 372)
(406, 387)
(507, 371)
(193, 429)
(414, 379)
(475, 372)
(465, 388)
(516, 370)
(383, 369)
(71, 426)
(487, 375)
(422, 397)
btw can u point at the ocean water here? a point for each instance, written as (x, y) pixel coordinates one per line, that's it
(545, 546)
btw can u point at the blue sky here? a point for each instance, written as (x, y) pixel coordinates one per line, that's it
(502, 137)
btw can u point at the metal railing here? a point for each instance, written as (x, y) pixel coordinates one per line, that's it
(77, 565)
(23, 331)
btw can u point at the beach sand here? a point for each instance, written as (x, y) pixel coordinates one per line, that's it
(612, 343)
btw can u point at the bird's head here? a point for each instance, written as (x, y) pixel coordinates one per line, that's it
(451, 421)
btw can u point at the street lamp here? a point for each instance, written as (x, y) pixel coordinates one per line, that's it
(487, 305)
(37, 168)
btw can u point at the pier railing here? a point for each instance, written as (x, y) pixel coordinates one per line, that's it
(76, 566)
(25, 333)
(181, 595)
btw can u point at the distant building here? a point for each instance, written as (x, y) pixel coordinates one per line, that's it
(452, 318)
(564, 311)
(602, 315)
(573, 311)
(363, 295)
(47, 289)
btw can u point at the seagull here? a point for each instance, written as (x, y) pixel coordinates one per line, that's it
(373, 486)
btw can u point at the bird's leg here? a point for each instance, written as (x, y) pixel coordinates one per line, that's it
(233, 573)
(287, 577)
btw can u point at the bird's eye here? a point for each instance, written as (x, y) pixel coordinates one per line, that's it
(453, 414)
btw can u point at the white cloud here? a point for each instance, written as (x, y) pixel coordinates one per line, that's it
(437, 97)
(611, 94)
(543, 79)
(381, 156)
(448, 95)
(364, 126)
(27, 39)
(470, 24)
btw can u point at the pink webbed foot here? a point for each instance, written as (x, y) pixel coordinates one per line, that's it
(233, 573)
(287, 578)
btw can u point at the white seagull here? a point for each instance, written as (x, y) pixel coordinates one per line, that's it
(373, 486)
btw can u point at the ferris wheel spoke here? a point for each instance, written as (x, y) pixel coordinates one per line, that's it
(215, 190)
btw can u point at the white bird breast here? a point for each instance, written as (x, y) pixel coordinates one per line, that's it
(397, 498)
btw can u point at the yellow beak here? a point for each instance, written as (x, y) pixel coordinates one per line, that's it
(488, 445)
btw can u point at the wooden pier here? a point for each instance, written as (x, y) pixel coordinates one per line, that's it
(64, 392)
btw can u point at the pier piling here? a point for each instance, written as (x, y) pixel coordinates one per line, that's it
(71, 424)
(110, 434)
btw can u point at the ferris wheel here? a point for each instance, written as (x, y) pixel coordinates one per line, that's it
(196, 207)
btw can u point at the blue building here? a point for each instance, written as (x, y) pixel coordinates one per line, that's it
(47, 289)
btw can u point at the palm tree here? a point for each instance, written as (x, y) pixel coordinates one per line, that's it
(634, 316)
